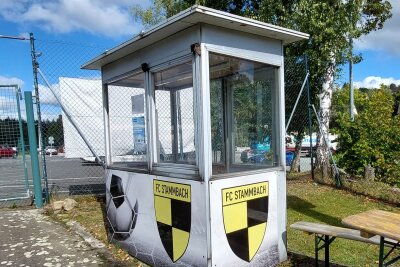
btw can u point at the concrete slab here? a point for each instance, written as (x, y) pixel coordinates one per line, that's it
(28, 238)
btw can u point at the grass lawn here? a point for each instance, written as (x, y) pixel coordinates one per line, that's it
(306, 201)
(316, 203)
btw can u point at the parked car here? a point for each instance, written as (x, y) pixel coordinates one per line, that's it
(260, 153)
(61, 149)
(257, 153)
(263, 156)
(51, 150)
(305, 148)
(7, 152)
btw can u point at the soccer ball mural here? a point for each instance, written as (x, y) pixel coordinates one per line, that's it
(121, 213)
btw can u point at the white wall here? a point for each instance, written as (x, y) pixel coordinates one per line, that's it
(83, 101)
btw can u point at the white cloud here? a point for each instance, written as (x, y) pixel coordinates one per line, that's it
(25, 35)
(375, 82)
(109, 18)
(46, 96)
(9, 108)
(386, 39)
(8, 102)
(50, 109)
(4, 80)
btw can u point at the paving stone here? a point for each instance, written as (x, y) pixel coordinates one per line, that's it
(29, 238)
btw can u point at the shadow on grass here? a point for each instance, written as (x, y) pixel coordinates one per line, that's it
(298, 260)
(308, 209)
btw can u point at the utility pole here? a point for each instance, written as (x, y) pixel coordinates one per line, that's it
(309, 118)
(351, 80)
(351, 63)
(35, 66)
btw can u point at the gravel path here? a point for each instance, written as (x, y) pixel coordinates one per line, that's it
(29, 238)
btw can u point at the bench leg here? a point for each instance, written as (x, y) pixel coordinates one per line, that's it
(382, 257)
(327, 243)
(326, 240)
(381, 251)
(316, 249)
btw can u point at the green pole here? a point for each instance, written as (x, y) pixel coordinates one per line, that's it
(22, 142)
(37, 185)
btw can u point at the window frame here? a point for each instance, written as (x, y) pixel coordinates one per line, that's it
(108, 130)
(172, 169)
(277, 102)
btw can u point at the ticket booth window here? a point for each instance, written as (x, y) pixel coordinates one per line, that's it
(175, 114)
(243, 131)
(127, 119)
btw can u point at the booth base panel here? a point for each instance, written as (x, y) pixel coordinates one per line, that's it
(246, 220)
(162, 221)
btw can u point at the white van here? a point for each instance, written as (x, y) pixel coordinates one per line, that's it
(305, 149)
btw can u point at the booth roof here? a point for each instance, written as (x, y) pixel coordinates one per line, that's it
(187, 18)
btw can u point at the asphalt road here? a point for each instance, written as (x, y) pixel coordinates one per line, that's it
(70, 175)
(64, 176)
(12, 178)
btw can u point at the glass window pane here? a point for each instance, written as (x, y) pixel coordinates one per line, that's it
(242, 114)
(175, 114)
(217, 121)
(127, 114)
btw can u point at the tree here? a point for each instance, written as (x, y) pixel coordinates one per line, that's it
(373, 139)
(330, 24)
(53, 128)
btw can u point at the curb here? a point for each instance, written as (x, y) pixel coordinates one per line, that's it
(95, 244)
(89, 238)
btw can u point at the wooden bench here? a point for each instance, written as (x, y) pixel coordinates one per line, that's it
(328, 233)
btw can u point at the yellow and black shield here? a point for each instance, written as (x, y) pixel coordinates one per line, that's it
(172, 204)
(245, 212)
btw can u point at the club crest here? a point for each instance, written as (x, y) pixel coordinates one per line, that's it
(172, 204)
(245, 212)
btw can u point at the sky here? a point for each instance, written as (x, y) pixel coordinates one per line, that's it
(102, 24)
(381, 54)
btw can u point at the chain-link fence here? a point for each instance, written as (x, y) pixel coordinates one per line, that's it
(299, 145)
(127, 121)
(71, 118)
(175, 114)
(72, 131)
(72, 124)
(15, 186)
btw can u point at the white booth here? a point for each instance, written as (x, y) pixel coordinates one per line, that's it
(195, 141)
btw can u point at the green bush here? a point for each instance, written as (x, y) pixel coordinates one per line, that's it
(373, 138)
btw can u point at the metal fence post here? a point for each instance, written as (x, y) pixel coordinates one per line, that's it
(35, 66)
(310, 120)
(33, 150)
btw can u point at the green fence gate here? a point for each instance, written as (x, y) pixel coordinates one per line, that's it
(14, 151)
